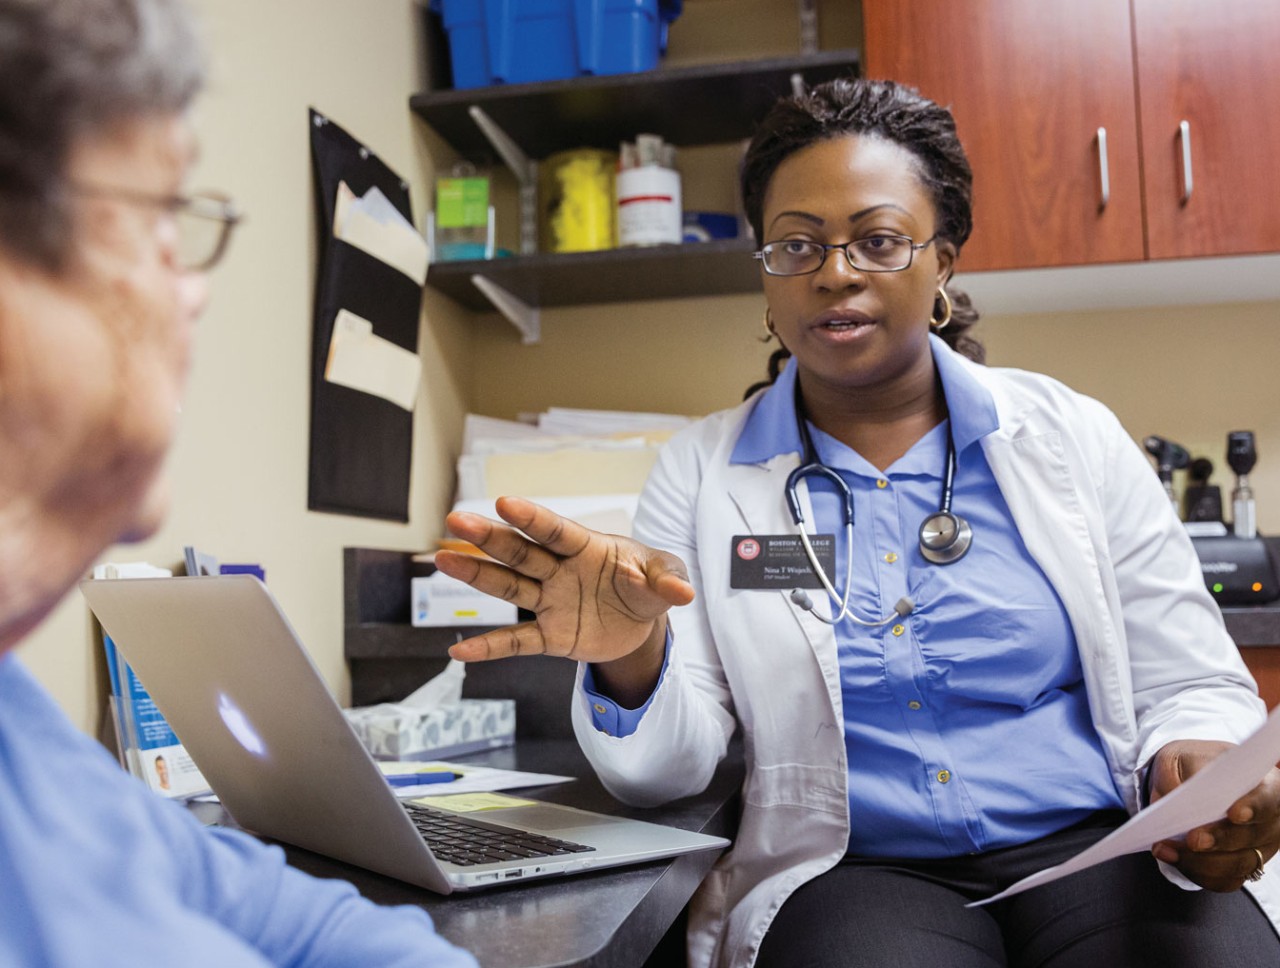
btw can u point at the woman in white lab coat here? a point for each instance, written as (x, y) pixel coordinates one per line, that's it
(992, 645)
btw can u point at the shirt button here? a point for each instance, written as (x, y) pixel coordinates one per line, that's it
(944, 776)
(882, 483)
(899, 629)
(891, 557)
(600, 709)
(913, 705)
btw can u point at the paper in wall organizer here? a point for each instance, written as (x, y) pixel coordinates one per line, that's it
(364, 361)
(371, 262)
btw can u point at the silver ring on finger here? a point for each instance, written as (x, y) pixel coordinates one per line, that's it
(1258, 871)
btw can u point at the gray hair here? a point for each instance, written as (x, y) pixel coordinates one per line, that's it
(70, 69)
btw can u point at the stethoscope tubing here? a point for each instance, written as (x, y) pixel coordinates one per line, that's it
(810, 465)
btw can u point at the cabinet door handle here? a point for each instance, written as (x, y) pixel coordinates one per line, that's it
(1184, 136)
(1104, 173)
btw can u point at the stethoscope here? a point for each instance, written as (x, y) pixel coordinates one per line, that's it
(945, 537)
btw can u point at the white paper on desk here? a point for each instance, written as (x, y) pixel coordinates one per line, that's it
(1203, 799)
(363, 361)
(371, 223)
(472, 779)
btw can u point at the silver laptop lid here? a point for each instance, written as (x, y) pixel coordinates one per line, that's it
(227, 670)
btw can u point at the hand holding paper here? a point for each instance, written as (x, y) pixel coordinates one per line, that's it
(1203, 798)
(1222, 855)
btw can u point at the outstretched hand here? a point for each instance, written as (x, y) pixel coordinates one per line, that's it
(1218, 856)
(595, 597)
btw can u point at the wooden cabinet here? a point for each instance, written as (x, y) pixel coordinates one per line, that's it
(1217, 68)
(1072, 112)
(1264, 663)
(1029, 119)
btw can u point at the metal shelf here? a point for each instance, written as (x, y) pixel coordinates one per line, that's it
(609, 276)
(699, 105)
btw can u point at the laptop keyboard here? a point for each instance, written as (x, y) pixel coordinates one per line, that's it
(468, 842)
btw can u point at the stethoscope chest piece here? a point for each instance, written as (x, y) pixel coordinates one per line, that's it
(944, 537)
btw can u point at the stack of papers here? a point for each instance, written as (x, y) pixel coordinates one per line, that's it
(565, 420)
(589, 465)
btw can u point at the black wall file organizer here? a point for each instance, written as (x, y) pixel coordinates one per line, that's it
(361, 444)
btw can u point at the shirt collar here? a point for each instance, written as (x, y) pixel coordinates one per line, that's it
(770, 430)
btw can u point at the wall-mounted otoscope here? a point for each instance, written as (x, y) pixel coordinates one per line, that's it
(1241, 456)
(1202, 500)
(1239, 567)
(1169, 457)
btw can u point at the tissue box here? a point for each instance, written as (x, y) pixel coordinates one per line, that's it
(393, 732)
(438, 600)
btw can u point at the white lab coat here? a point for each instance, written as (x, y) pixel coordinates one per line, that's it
(1092, 514)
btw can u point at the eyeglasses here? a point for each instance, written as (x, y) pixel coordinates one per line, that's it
(876, 253)
(204, 220)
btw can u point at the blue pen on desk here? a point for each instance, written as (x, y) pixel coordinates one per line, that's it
(421, 779)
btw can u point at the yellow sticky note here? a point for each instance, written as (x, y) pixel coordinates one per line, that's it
(471, 802)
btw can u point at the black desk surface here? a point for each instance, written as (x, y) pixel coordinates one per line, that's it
(603, 918)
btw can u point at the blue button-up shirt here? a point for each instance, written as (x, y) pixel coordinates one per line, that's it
(966, 723)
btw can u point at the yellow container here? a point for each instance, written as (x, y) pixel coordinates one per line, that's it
(576, 201)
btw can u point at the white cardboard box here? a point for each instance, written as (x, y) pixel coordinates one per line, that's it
(395, 732)
(439, 600)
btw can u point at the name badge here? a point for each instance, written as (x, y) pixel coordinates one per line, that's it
(778, 561)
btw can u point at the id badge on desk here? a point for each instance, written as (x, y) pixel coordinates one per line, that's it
(777, 562)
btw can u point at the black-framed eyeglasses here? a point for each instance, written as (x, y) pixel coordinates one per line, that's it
(204, 220)
(875, 253)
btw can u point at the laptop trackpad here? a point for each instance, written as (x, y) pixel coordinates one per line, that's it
(547, 817)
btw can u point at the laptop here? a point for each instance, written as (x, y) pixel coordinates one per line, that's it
(227, 670)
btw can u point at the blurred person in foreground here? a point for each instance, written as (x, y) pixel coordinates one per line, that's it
(102, 276)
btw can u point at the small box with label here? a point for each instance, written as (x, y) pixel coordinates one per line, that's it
(438, 600)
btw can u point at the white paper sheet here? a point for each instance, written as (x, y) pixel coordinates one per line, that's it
(1202, 799)
(471, 779)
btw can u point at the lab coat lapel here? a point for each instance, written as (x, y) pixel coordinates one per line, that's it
(1035, 480)
(757, 492)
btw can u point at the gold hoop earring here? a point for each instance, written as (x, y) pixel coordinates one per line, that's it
(769, 332)
(940, 324)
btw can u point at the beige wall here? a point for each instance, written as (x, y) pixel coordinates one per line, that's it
(240, 465)
(1187, 373)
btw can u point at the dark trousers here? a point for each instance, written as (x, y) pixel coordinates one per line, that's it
(881, 913)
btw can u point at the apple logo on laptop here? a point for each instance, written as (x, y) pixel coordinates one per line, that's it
(240, 727)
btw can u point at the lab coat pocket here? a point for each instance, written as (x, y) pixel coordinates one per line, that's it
(797, 784)
(787, 808)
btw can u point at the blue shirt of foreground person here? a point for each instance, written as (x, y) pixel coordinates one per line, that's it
(97, 870)
(102, 261)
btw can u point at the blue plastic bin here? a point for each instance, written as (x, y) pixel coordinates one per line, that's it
(519, 41)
